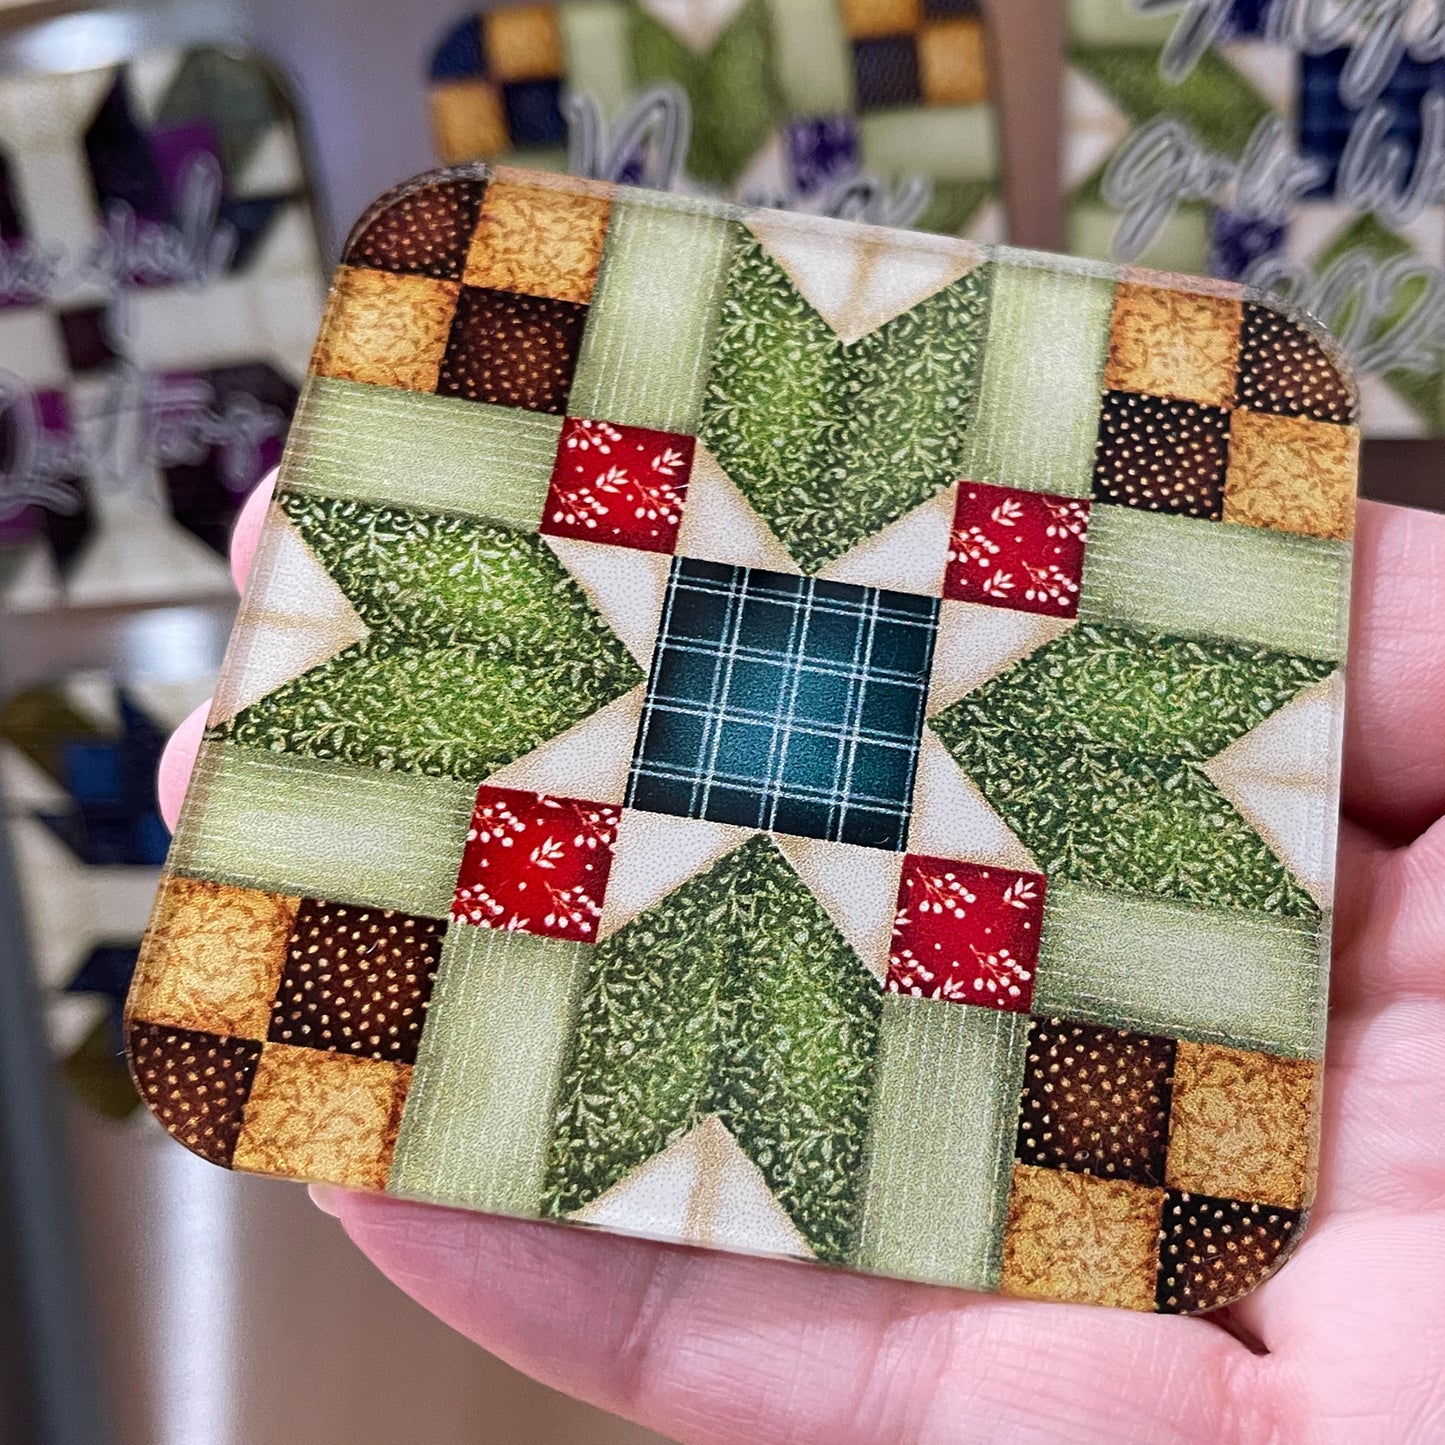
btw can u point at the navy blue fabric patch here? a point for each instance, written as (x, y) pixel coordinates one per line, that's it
(785, 703)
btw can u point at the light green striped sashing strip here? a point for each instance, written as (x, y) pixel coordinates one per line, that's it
(941, 1142)
(949, 143)
(812, 57)
(597, 54)
(1196, 578)
(1215, 976)
(1180, 244)
(440, 454)
(351, 835)
(1119, 22)
(649, 330)
(1038, 412)
(479, 1116)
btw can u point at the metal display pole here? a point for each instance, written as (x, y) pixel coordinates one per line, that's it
(50, 1391)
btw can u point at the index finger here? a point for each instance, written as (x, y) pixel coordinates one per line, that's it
(182, 746)
(1394, 774)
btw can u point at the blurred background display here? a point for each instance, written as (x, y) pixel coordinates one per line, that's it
(161, 279)
(78, 760)
(160, 285)
(1299, 147)
(874, 108)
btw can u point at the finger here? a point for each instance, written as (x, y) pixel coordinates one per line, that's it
(1390, 911)
(711, 1348)
(1383, 1151)
(246, 534)
(177, 761)
(1355, 1341)
(179, 757)
(1394, 777)
(1386, 1058)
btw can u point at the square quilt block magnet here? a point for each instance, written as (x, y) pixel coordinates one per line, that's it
(779, 736)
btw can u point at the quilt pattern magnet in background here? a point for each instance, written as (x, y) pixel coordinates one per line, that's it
(160, 284)
(787, 102)
(783, 736)
(1291, 147)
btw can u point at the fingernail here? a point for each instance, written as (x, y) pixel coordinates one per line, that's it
(327, 1198)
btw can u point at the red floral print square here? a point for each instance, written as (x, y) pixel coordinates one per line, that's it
(623, 485)
(1022, 550)
(535, 863)
(966, 933)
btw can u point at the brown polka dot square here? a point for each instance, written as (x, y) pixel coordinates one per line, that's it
(1212, 1251)
(1284, 369)
(425, 233)
(1070, 1237)
(323, 1116)
(385, 328)
(196, 1084)
(1241, 1124)
(511, 350)
(1162, 455)
(1095, 1101)
(357, 981)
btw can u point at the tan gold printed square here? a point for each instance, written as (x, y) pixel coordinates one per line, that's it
(467, 120)
(538, 242)
(951, 63)
(1291, 474)
(1077, 1238)
(319, 1116)
(1174, 343)
(386, 329)
(871, 19)
(1240, 1125)
(212, 958)
(522, 42)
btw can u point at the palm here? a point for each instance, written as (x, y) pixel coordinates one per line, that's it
(718, 1349)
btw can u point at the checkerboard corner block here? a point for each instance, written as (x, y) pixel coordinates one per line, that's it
(474, 285)
(277, 1034)
(1224, 404)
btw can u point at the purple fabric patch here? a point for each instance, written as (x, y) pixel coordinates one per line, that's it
(178, 148)
(1236, 242)
(822, 153)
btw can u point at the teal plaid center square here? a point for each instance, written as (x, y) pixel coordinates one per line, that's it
(785, 703)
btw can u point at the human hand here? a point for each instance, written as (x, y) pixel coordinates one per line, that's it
(712, 1348)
